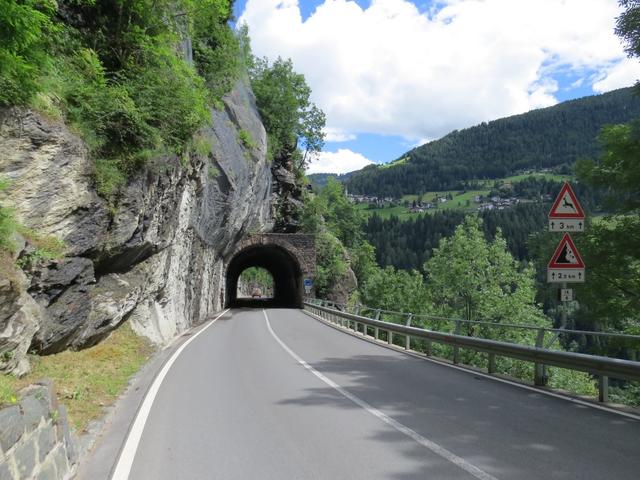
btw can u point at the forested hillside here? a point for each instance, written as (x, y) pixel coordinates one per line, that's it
(409, 244)
(553, 137)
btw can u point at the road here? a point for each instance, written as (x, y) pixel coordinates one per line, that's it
(275, 394)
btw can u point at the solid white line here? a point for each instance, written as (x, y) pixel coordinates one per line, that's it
(128, 453)
(417, 355)
(430, 445)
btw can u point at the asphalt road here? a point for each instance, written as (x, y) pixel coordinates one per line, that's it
(239, 404)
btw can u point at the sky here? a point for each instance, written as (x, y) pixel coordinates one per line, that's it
(394, 74)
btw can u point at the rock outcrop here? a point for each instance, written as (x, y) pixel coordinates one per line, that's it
(155, 257)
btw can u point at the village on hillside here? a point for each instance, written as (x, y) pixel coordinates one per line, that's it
(420, 206)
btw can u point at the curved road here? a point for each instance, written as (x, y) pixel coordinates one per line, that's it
(279, 395)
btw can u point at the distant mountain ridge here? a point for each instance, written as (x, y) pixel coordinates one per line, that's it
(553, 137)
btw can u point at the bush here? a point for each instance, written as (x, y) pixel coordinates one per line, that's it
(23, 51)
(246, 139)
(216, 54)
(176, 116)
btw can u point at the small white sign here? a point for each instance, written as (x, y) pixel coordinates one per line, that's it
(566, 225)
(566, 295)
(559, 275)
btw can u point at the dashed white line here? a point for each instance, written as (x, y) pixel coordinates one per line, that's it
(420, 439)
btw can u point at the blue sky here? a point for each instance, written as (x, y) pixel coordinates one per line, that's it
(393, 74)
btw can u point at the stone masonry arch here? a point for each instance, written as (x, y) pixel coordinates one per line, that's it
(290, 258)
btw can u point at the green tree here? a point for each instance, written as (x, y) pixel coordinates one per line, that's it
(395, 290)
(618, 170)
(628, 26)
(610, 298)
(474, 279)
(331, 209)
(331, 263)
(291, 120)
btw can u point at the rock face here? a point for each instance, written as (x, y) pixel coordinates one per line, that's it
(157, 257)
(343, 288)
(288, 198)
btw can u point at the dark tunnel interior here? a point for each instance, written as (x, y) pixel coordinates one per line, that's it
(286, 273)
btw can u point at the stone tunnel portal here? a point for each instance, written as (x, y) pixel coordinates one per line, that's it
(283, 267)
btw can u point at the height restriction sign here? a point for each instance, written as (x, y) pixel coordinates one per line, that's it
(566, 265)
(566, 214)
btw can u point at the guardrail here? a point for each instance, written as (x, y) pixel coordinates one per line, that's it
(627, 346)
(603, 367)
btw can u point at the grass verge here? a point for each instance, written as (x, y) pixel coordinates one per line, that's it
(89, 380)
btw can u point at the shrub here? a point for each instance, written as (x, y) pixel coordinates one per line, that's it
(246, 139)
(23, 51)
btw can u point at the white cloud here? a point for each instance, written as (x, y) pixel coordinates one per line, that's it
(622, 74)
(390, 69)
(337, 135)
(342, 161)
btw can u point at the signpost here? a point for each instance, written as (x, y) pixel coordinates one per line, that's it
(566, 264)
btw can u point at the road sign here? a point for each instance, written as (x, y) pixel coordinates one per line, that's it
(566, 264)
(565, 295)
(566, 214)
(308, 283)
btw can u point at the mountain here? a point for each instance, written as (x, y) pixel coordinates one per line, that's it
(548, 138)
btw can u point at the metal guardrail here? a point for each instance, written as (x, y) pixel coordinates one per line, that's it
(379, 312)
(603, 367)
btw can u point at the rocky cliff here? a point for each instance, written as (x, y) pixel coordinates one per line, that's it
(154, 257)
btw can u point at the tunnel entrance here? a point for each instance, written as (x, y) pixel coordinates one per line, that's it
(285, 272)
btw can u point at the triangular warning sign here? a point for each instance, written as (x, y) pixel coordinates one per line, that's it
(566, 255)
(566, 204)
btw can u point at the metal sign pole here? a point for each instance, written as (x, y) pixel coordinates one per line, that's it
(565, 307)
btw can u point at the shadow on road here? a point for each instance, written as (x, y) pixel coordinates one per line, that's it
(508, 432)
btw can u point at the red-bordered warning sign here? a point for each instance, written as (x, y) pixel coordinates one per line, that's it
(566, 204)
(566, 255)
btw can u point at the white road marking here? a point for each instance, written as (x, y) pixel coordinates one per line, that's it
(494, 378)
(128, 453)
(425, 442)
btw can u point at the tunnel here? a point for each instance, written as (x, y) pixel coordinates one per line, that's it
(283, 267)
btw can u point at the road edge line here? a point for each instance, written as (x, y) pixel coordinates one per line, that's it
(412, 434)
(128, 451)
(417, 356)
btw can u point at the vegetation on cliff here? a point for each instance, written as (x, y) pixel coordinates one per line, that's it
(294, 125)
(115, 71)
